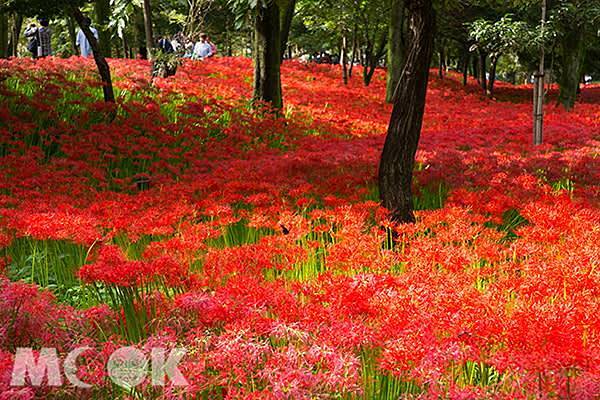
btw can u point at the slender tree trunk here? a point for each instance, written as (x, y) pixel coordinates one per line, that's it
(442, 60)
(482, 69)
(72, 35)
(103, 12)
(398, 156)
(103, 67)
(573, 54)
(286, 23)
(465, 72)
(267, 55)
(538, 91)
(344, 58)
(148, 27)
(354, 50)
(492, 80)
(372, 61)
(124, 46)
(15, 34)
(395, 55)
(4, 29)
(140, 33)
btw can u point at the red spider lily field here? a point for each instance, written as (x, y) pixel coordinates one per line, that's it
(182, 217)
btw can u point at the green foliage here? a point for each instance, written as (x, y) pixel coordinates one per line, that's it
(502, 36)
(47, 8)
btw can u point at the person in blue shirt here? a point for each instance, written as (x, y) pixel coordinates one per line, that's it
(82, 42)
(202, 49)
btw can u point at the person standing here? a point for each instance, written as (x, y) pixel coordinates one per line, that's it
(40, 39)
(82, 42)
(202, 49)
(165, 45)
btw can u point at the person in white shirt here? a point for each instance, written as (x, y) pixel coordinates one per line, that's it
(82, 42)
(202, 49)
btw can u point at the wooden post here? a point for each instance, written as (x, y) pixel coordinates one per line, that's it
(538, 90)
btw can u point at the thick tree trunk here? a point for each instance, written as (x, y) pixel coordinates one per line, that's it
(571, 62)
(395, 55)
(4, 29)
(148, 28)
(103, 68)
(267, 55)
(398, 157)
(286, 23)
(103, 12)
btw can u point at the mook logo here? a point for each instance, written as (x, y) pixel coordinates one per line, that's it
(127, 367)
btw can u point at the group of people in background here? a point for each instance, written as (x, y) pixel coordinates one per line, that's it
(187, 48)
(39, 43)
(39, 39)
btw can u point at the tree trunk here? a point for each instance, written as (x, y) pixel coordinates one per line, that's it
(140, 33)
(286, 23)
(373, 57)
(395, 55)
(4, 28)
(354, 50)
(571, 61)
(398, 156)
(15, 34)
(482, 69)
(344, 58)
(103, 68)
(148, 28)
(492, 80)
(72, 35)
(442, 60)
(466, 62)
(103, 12)
(267, 55)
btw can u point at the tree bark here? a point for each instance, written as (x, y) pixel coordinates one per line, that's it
(482, 69)
(4, 28)
(103, 67)
(286, 23)
(571, 62)
(344, 58)
(395, 55)
(267, 55)
(15, 34)
(72, 35)
(103, 12)
(442, 60)
(398, 156)
(354, 50)
(148, 28)
(373, 57)
(492, 80)
(465, 71)
(140, 33)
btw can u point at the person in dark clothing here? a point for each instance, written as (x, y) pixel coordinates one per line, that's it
(40, 39)
(165, 45)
